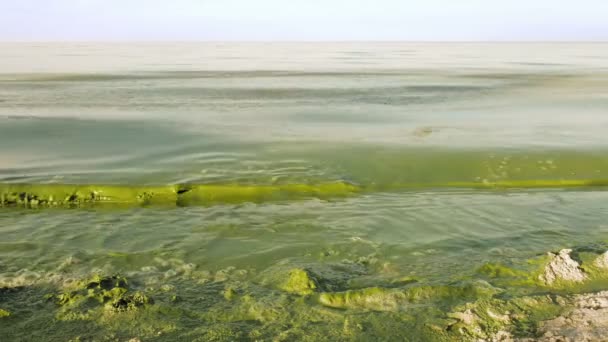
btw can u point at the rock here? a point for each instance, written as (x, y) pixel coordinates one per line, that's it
(586, 321)
(602, 261)
(466, 317)
(562, 267)
(501, 336)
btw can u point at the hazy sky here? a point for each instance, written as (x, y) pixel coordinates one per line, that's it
(303, 20)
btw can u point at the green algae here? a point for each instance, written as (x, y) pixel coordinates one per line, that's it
(234, 309)
(414, 311)
(308, 278)
(486, 318)
(350, 300)
(505, 276)
(73, 196)
(239, 193)
(4, 313)
(596, 276)
(299, 282)
(477, 168)
(60, 195)
(529, 275)
(82, 300)
(383, 299)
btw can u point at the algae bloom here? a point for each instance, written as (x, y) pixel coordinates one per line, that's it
(303, 192)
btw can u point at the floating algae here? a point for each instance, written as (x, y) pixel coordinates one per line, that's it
(261, 205)
(383, 299)
(110, 293)
(393, 171)
(303, 309)
(305, 279)
(300, 282)
(59, 195)
(73, 196)
(228, 194)
(4, 313)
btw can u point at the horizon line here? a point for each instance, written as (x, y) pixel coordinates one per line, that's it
(301, 41)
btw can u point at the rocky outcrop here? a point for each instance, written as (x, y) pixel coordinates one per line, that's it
(549, 318)
(587, 320)
(562, 267)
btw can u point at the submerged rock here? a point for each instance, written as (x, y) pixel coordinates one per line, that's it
(562, 267)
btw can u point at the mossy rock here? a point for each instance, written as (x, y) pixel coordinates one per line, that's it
(493, 318)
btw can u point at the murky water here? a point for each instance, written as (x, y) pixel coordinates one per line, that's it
(206, 173)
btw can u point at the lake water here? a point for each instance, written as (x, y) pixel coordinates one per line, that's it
(206, 173)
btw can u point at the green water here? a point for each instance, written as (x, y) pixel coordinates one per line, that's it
(241, 199)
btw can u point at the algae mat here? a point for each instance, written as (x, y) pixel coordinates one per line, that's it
(153, 195)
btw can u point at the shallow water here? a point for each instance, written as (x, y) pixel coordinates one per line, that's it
(197, 170)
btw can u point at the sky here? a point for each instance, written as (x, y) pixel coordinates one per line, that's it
(303, 20)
